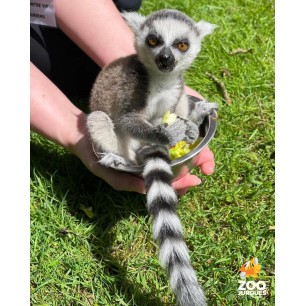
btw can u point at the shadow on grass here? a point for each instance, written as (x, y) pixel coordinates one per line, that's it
(86, 189)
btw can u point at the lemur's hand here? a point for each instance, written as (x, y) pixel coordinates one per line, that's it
(180, 129)
(173, 133)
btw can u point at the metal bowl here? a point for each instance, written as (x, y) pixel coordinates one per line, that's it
(181, 166)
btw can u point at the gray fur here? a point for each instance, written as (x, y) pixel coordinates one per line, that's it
(170, 14)
(101, 130)
(120, 87)
(127, 104)
(108, 159)
(200, 110)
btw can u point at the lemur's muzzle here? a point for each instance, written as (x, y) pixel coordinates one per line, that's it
(165, 60)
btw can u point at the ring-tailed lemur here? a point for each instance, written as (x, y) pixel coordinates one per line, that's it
(127, 103)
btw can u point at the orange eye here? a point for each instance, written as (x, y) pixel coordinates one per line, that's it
(182, 46)
(152, 41)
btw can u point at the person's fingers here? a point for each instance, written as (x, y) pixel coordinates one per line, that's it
(127, 182)
(188, 180)
(121, 181)
(206, 161)
(192, 92)
(208, 168)
(181, 192)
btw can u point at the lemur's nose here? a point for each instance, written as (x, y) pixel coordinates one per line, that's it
(165, 56)
(165, 60)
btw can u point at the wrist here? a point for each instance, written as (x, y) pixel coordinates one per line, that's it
(77, 135)
(80, 144)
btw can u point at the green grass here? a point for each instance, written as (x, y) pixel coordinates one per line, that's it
(111, 258)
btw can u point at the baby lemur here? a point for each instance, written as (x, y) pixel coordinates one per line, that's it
(127, 103)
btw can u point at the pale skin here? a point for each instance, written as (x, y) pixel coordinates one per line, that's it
(97, 27)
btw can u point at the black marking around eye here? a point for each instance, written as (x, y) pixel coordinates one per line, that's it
(178, 41)
(184, 40)
(158, 38)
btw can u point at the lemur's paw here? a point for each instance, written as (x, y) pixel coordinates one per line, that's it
(174, 132)
(111, 160)
(192, 132)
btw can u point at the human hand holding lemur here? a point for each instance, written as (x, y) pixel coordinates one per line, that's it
(55, 117)
(126, 126)
(82, 148)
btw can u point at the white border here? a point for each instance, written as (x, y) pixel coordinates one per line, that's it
(290, 152)
(14, 124)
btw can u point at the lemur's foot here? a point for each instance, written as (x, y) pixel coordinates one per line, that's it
(200, 110)
(112, 160)
(204, 108)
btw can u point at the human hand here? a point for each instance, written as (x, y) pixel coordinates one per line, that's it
(118, 180)
(206, 163)
(82, 148)
(122, 181)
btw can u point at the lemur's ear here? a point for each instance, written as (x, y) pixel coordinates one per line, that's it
(134, 20)
(205, 28)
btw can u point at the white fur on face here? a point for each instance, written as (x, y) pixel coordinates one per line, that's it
(169, 30)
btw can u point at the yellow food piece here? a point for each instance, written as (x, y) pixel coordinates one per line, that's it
(182, 147)
(179, 150)
(169, 117)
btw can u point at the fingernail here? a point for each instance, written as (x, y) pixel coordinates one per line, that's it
(208, 169)
(212, 169)
(198, 182)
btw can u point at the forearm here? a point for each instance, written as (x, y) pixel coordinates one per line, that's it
(52, 114)
(96, 27)
(56, 118)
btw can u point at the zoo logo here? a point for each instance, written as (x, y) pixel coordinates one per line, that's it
(251, 269)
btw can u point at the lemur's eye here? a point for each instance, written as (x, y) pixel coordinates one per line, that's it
(182, 46)
(152, 41)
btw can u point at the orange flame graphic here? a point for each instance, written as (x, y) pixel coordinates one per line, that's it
(250, 268)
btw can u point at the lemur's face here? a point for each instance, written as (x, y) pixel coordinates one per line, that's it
(167, 41)
(167, 50)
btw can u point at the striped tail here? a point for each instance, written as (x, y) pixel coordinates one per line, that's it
(167, 229)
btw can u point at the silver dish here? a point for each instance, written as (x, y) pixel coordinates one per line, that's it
(181, 166)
